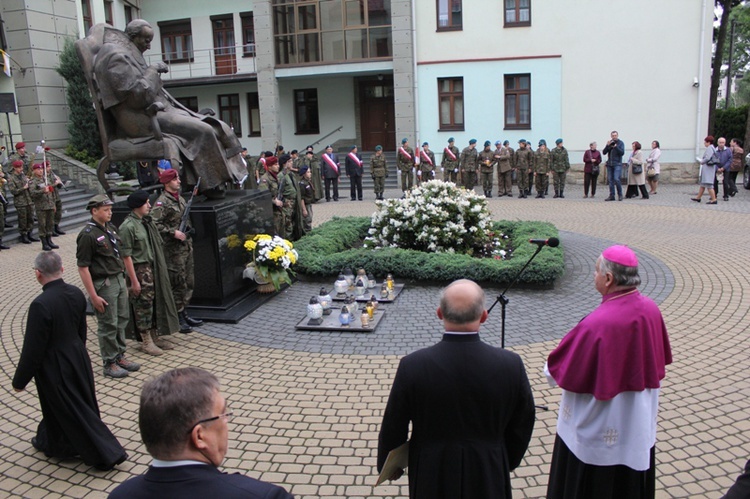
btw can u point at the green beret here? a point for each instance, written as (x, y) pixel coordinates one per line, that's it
(404, 140)
(451, 140)
(425, 144)
(558, 141)
(378, 148)
(487, 143)
(542, 142)
(473, 141)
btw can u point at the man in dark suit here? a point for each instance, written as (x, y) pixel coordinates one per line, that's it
(470, 406)
(183, 421)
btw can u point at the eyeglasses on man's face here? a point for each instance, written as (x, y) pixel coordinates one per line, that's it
(228, 416)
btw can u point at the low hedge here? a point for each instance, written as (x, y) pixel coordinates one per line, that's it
(337, 244)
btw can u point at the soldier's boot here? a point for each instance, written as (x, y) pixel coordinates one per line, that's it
(50, 243)
(2, 246)
(489, 193)
(184, 328)
(557, 194)
(160, 342)
(148, 346)
(45, 245)
(59, 231)
(32, 238)
(192, 321)
(562, 189)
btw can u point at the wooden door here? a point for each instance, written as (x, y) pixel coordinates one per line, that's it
(377, 114)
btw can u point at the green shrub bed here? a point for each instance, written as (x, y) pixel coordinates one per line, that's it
(338, 244)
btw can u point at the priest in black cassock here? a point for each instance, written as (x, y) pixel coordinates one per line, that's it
(470, 406)
(54, 354)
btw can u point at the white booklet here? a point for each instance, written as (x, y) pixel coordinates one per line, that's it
(398, 458)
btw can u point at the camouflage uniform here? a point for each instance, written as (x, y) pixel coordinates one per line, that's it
(167, 215)
(379, 172)
(523, 160)
(56, 197)
(307, 192)
(22, 201)
(504, 158)
(270, 183)
(136, 245)
(44, 203)
(406, 166)
(251, 182)
(487, 170)
(541, 169)
(26, 158)
(449, 165)
(469, 167)
(313, 163)
(560, 167)
(427, 168)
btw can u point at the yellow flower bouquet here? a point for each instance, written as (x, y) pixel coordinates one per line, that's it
(272, 257)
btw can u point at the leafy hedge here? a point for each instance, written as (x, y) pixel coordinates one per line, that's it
(337, 244)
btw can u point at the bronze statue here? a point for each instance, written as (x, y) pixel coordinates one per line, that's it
(139, 120)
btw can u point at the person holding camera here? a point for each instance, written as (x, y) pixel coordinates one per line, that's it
(615, 150)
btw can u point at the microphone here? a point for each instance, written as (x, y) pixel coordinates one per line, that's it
(552, 242)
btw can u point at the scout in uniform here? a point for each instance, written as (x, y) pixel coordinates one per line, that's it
(523, 160)
(378, 171)
(468, 165)
(541, 168)
(487, 168)
(560, 166)
(449, 163)
(405, 162)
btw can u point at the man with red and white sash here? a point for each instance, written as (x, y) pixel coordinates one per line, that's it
(354, 170)
(426, 168)
(449, 163)
(330, 163)
(405, 162)
(610, 368)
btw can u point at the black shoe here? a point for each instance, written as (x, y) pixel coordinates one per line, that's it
(59, 231)
(540, 196)
(32, 238)
(45, 245)
(328, 200)
(731, 194)
(556, 196)
(611, 198)
(25, 239)
(35, 444)
(726, 198)
(51, 244)
(619, 198)
(354, 199)
(2, 246)
(184, 327)
(8, 225)
(192, 321)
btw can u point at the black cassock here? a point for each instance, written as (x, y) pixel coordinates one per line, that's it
(472, 415)
(54, 354)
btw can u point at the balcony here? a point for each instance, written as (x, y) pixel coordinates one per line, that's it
(216, 65)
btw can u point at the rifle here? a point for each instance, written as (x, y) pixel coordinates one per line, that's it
(186, 216)
(280, 193)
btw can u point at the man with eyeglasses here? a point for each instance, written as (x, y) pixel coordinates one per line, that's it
(183, 421)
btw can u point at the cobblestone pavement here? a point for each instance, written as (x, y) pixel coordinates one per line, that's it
(310, 403)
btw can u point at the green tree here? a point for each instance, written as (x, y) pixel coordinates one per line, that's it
(720, 38)
(85, 143)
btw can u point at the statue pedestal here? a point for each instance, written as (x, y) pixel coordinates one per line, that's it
(220, 293)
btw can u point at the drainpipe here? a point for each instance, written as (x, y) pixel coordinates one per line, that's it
(698, 131)
(414, 72)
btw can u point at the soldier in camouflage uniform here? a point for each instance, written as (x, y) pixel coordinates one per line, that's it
(178, 246)
(57, 183)
(449, 163)
(44, 204)
(292, 199)
(3, 204)
(148, 283)
(487, 168)
(523, 160)
(19, 185)
(269, 181)
(468, 164)
(20, 155)
(251, 182)
(378, 171)
(405, 163)
(541, 168)
(503, 157)
(307, 193)
(313, 163)
(101, 270)
(560, 167)
(426, 163)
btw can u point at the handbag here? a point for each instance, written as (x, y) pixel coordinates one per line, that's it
(650, 171)
(637, 169)
(595, 170)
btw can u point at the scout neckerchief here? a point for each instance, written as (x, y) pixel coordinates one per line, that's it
(111, 237)
(330, 162)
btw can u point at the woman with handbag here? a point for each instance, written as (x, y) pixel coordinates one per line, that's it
(636, 177)
(708, 171)
(591, 160)
(652, 167)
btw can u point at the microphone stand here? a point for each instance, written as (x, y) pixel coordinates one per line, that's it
(504, 301)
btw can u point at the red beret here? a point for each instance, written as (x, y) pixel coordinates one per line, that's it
(271, 161)
(17, 163)
(20, 145)
(37, 166)
(167, 176)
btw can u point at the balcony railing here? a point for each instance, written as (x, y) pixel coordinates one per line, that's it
(208, 62)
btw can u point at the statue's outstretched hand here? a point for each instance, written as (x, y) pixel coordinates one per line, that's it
(161, 67)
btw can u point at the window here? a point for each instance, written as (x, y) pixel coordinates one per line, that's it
(253, 111)
(176, 41)
(517, 13)
(449, 15)
(518, 102)
(189, 102)
(306, 111)
(451, 103)
(248, 34)
(86, 15)
(108, 13)
(229, 111)
(130, 14)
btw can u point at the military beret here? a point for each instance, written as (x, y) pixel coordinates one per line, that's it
(352, 148)
(37, 166)
(294, 151)
(304, 169)
(473, 141)
(542, 142)
(309, 151)
(404, 140)
(167, 176)
(378, 148)
(425, 144)
(487, 143)
(97, 201)
(283, 159)
(451, 139)
(20, 145)
(558, 141)
(506, 143)
(522, 141)
(497, 143)
(137, 199)
(17, 163)
(271, 161)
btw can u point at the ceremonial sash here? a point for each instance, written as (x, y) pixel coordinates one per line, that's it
(355, 159)
(330, 162)
(450, 154)
(425, 156)
(405, 154)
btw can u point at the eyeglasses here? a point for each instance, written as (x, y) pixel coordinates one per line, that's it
(228, 416)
